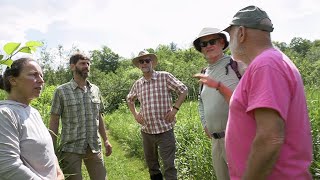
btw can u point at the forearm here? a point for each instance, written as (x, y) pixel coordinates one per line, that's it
(54, 127)
(102, 129)
(132, 108)
(263, 155)
(225, 92)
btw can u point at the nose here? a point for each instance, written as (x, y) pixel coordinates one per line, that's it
(40, 79)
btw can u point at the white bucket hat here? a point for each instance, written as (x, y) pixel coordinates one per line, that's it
(209, 31)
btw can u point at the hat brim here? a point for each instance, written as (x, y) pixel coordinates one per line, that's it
(153, 57)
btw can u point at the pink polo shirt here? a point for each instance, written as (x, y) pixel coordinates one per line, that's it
(270, 81)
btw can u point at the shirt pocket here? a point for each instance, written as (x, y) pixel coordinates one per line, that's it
(95, 106)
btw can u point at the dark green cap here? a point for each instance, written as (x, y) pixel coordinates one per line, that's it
(252, 17)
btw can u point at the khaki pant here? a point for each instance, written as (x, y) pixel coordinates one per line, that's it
(72, 163)
(166, 143)
(219, 159)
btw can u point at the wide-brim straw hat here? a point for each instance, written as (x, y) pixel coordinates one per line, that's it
(142, 55)
(209, 31)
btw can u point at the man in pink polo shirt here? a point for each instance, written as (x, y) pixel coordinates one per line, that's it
(268, 134)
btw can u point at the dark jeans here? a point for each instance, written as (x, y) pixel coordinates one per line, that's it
(166, 144)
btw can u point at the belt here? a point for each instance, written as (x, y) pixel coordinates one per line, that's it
(218, 135)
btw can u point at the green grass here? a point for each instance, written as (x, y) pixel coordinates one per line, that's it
(121, 165)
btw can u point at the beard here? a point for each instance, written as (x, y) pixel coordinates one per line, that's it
(82, 73)
(147, 69)
(237, 51)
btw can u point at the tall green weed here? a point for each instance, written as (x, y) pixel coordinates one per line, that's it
(313, 100)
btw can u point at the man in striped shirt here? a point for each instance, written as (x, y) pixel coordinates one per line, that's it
(156, 114)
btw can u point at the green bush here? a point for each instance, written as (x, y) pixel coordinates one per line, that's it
(313, 98)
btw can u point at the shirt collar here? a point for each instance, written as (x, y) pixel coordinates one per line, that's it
(218, 61)
(153, 77)
(74, 84)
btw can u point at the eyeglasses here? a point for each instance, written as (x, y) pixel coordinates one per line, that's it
(141, 61)
(211, 42)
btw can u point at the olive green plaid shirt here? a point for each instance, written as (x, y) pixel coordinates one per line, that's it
(79, 112)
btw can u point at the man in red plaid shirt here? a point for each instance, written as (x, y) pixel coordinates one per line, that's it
(157, 113)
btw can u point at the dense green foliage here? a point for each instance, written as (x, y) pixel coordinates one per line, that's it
(115, 75)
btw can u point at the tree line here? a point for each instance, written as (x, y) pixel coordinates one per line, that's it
(115, 74)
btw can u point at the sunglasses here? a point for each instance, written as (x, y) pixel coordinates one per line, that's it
(211, 42)
(141, 61)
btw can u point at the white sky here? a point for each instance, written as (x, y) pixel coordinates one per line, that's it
(128, 26)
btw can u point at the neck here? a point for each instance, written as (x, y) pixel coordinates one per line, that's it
(254, 52)
(214, 59)
(17, 98)
(80, 81)
(147, 75)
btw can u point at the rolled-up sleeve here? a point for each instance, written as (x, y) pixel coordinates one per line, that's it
(131, 97)
(175, 84)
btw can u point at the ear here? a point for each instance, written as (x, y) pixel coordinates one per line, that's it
(222, 42)
(72, 67)
(242, 33)
(12, 81)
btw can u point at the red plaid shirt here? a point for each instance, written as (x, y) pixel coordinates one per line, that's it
(156, 100)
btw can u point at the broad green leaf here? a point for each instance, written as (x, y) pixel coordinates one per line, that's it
(7, 62)
(1, 56)
(11, 47)
(33, 49)
(34, 44)
(25, 49)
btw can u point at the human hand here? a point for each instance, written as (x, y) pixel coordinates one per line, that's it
(205, 79)
(108, 148)
(139, 118)
(60, 175)
(170, 115)
(207, 132)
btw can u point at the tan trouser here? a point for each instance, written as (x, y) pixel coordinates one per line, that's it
(72, 163)
(219, 159)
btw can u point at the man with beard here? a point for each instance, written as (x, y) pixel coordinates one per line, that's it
(213, 102)
(79, 105)
(268, 133)
(157, 114)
